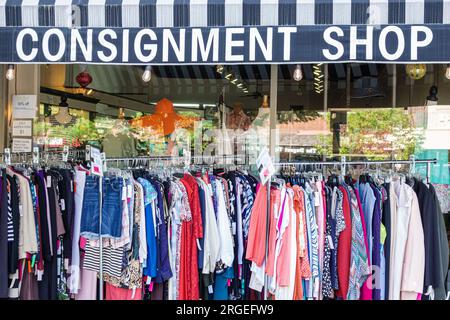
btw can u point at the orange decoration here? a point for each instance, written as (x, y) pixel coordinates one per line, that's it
(165, 118)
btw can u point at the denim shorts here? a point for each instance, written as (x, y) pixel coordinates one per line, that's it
(111, 208)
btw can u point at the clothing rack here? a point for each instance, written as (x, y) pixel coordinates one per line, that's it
(343, 165)
(178, 160)
(38, 157)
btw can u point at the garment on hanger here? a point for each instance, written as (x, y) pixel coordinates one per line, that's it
(202, 235)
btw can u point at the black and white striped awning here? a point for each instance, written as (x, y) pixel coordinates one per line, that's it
(168, 32)
(208, 13)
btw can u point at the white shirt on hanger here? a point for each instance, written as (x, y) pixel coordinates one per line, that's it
(401, 196)
(211, 240)
(226, 239)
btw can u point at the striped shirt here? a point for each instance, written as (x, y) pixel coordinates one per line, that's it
(359, 264)
(10, 214)
(112, 260)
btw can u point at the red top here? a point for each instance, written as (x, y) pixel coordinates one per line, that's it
(256, 244)
(190, 232)
(344, 249)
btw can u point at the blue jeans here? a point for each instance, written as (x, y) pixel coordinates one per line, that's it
(111, 208)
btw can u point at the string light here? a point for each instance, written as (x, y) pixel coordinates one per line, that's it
(219, 69)
(298, 74)
(318, 78)
(447, 72)
(147, 75)
(10, 73)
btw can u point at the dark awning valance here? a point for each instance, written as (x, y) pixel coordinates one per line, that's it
(224, 31)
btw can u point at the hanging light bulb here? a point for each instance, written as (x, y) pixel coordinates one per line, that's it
(219, 69)
(447, 72)
(298, 74)
(10, 73)
(416, 71)
(147, 75)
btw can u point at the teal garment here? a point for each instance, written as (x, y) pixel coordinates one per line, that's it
(221, 284)
(151, 263)
(440, 171)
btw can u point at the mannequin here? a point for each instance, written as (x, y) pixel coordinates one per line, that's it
(263, 113)
(237, 119)
(63, 117)
(432, 99)
(259, 133)
(118, 142)
(58, 127)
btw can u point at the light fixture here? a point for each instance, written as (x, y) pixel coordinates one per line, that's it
(298, 74)
(219, 69)
(229, 76)
(416, 71)
(318, 78)
(186, 105)
(240, 85)
(10, 73)
(147, 74)
(447, 72)
(84, 78)
(89, 91)
(234, 81)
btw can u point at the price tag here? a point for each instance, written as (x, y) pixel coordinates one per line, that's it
(49, 181)
(103, 158)
(36, 155)
(88, 153)
(65, 156)
(63, 204)
(66, 264)
(210, 289)
(233, 226)
(7, 156)
(124, 193)
(316, 199)
(129, 191)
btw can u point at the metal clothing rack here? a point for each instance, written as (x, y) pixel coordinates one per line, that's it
(188, 160)
(343, 165)
(37, 156)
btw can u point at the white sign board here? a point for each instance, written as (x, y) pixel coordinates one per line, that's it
(438, 118)
(436, 139)
(21, 145)
(96, 161)
(265, 166)
(24, 106)
(22, 128)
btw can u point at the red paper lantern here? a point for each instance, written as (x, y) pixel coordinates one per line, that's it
(83, 79)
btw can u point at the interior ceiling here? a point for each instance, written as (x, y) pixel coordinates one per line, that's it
(126, 79)
(201, 84)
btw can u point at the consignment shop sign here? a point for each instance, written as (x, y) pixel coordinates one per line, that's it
(227, 45)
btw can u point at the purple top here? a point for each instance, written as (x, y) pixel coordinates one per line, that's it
(376, 233)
